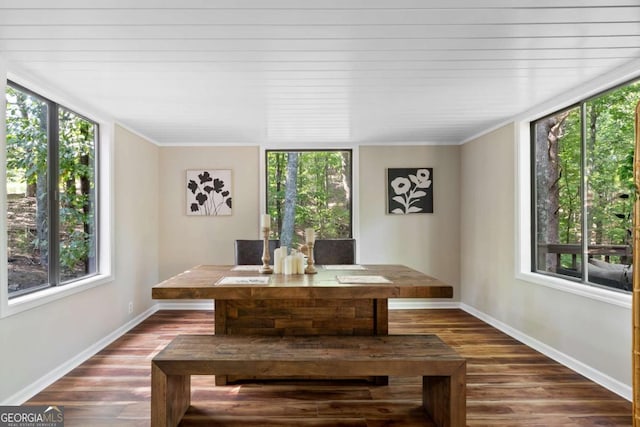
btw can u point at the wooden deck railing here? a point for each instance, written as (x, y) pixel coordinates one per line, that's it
(603, 251)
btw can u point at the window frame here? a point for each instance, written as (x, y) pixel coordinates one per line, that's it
(265, 176)
(523, 225)
(103, 206)
(581, 104)
(523, 193)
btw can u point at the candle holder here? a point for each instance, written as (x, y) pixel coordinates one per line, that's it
(310, 268)
(266, 268)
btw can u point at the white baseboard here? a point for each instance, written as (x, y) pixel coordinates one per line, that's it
(195, 305)
(31, 390)
(621, 389)
(418, 304)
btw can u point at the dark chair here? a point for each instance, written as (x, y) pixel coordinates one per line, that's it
(334, 251)
(249, 252)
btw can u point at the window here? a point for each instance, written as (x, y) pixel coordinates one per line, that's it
(309, 189)
(583, 190)
(51, 193)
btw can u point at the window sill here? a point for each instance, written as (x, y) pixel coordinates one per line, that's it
(593, 292)
(45, 296)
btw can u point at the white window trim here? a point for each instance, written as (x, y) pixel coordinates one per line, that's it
(523, 232)
(9, 307)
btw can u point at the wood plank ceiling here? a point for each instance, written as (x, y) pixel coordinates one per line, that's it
(316, 72)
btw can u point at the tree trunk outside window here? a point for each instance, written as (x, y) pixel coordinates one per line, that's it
(290, 198)
(548, 174)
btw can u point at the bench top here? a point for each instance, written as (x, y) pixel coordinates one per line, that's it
(308, 355)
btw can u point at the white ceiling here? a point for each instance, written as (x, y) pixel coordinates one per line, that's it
(316, 71)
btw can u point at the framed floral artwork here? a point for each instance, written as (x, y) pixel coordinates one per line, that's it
(209, 192)
(409, 190)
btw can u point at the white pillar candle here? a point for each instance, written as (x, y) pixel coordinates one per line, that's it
(310, 235)
(288, 265)
(277, 261)
(265, 221)
(300, 262)
(294, 264)
(294, 261)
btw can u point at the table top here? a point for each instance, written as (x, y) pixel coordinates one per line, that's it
(203, 282)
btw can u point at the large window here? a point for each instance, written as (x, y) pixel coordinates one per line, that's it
(583, 190)
(51, 193)
(309, 189)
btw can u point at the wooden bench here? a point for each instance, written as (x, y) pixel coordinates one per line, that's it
(442, 369)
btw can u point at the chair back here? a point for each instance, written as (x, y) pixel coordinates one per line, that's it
(334, 251)
(249, 252)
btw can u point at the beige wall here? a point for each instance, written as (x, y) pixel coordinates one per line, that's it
(186, 241)
(38, 341)
(594, 333)
(426, 242)
(137, 220)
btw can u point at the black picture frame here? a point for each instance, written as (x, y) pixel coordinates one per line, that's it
(409, 191)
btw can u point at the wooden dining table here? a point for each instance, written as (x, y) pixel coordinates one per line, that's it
(338, 300)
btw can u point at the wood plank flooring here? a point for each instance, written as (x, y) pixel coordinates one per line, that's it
(508, 384)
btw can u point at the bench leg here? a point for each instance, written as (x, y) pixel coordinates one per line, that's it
(445, 399)
(170, 397)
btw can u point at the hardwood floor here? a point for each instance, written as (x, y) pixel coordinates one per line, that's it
(508, 384)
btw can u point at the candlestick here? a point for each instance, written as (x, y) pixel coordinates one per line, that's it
(310, 268)
(266, 268)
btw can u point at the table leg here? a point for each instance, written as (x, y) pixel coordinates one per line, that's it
(381, 327)
(302, 317)
(220, 328)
